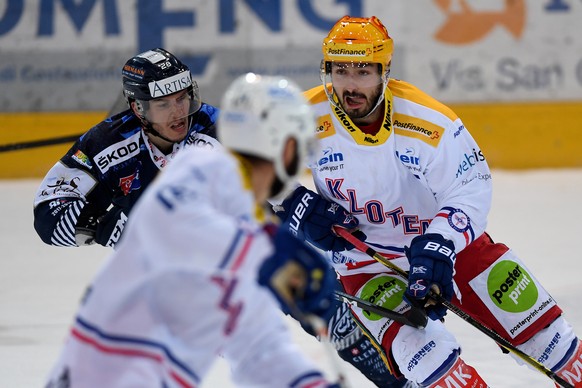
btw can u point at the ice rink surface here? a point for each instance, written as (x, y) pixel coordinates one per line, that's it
(537, 213)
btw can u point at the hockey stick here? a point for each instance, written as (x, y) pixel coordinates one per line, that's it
(417, 321)
(363, 247)
(320, 328)
(118, 106)
(39, 143)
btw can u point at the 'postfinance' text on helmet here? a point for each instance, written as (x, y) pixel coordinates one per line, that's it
(260, 113)
(354, 39)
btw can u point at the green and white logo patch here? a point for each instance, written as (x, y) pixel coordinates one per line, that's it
(511, 288)
(384, 291)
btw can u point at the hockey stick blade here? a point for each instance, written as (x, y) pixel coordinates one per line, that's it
(365, 248)
(410, 318)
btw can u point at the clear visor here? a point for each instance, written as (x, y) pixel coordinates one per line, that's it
(172, 108)
(354, 74)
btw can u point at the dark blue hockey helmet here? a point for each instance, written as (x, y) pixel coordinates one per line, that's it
(156, 74)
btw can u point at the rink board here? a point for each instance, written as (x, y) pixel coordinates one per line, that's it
(512, 136)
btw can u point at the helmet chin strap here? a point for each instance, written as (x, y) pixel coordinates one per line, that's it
(149, 128)
(385, 79)
(378, 102)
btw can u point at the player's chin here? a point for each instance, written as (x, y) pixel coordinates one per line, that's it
(357, 113)
(178, 128)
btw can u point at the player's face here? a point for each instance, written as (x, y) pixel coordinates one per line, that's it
(169, 115)
(357, 86)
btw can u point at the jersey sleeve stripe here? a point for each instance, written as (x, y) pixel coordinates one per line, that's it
(64, 234)
(237, 251)
(121, 345)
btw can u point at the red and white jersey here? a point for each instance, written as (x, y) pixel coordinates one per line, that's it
(421, 173)
(181, 289)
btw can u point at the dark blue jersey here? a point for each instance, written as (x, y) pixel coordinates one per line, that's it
(103, 174)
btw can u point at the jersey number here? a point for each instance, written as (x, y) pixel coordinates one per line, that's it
(226, 304)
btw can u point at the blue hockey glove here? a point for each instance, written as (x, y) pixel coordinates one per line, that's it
(299, 277)
(311, 217)
(431, 260)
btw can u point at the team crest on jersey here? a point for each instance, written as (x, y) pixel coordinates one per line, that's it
(130, 183)
(324, 127)
(459, 221)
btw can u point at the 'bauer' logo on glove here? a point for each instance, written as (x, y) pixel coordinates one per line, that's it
(311, 217)
(432, 259)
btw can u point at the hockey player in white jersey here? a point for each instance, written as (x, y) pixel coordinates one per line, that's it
(198, 275)
(405, 166)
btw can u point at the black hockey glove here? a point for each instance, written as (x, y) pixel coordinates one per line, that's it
(299, 277)
(431, 260)
(311, 217)
(110, 227)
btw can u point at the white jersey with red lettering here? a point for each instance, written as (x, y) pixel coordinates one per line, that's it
(421, 173)
(424, 173)
(181, 289)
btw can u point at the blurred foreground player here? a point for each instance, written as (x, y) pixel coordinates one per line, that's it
(196, 274)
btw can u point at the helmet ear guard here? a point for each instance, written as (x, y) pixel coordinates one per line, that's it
(140, 108)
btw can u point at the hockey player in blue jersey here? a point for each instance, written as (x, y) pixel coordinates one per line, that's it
(88, 194)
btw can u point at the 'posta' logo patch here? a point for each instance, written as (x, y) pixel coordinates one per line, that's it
(511, 287)
(384, 291)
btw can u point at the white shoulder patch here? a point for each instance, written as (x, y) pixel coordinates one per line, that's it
(64, 182)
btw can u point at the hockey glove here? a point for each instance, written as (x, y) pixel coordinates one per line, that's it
(300, 278)
(311, 217)
(431, 260)
(110, 226)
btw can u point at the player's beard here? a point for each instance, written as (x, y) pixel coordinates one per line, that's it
(368, 106)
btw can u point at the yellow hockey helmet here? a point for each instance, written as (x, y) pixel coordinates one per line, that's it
(356, 39)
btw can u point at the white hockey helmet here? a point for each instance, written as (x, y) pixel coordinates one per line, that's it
(259, 113)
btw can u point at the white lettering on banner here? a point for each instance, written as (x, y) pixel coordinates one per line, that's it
(170, 85)
(498, 66)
